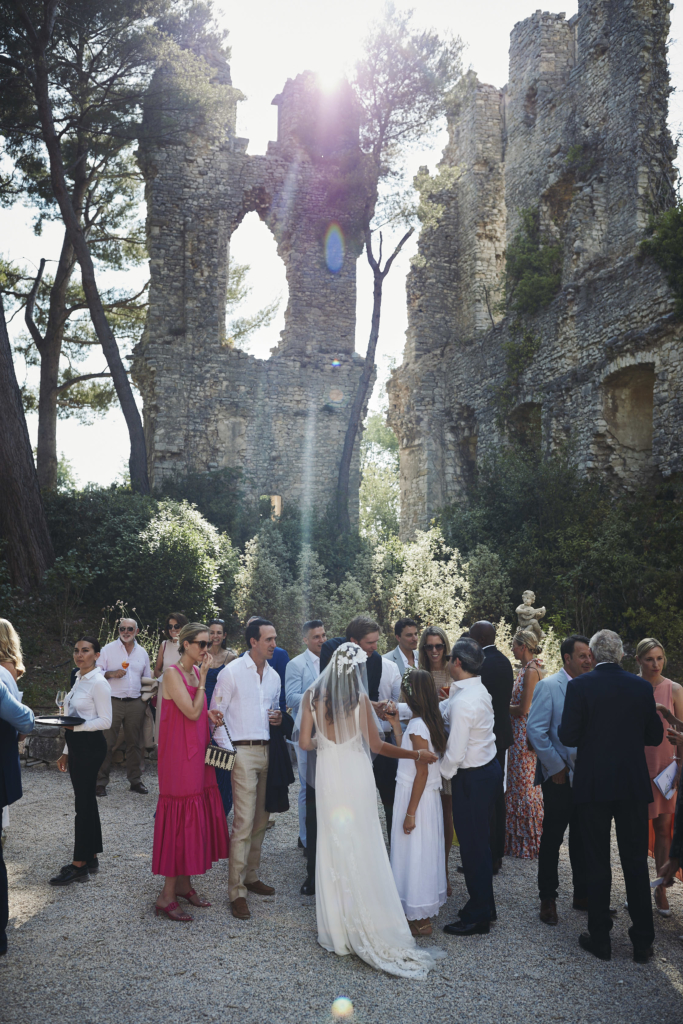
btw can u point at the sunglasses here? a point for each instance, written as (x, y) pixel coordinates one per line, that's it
(200, 643)
(434, 647)
(126, 629)
(173, 629)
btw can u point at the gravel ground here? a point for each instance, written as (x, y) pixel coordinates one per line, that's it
(95, 952)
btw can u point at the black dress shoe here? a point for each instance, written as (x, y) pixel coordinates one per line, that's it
(70, 874)
(603, 951)
(641, 956)
(139, 787)
(299, 843)
(308, 888)
(493, 917)
(460, 928)
(460, 869)
(93, 866)
(497, 865)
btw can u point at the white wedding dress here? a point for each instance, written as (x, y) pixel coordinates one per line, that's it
(357, 904)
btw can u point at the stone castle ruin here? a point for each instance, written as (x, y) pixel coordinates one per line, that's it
(578, 136)
(207, 406)
(578, 140)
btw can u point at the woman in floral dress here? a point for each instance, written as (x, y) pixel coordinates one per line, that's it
(523, 800)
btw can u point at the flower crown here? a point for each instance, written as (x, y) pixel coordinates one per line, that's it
(350, 654)
(405, 682)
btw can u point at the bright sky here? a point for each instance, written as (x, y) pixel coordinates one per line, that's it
(287, 37)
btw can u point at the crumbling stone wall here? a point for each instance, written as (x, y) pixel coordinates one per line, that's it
(207, 406)
(579, 134)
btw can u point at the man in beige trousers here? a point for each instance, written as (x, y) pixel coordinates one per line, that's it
(248, 693)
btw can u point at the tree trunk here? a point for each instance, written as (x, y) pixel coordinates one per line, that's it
(356, 414)
(39, 42)
(22, 517)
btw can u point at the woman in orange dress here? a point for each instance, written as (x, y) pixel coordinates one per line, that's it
(651, 658)
(523, 800)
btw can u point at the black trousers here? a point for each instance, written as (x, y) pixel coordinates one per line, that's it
(384, 770)
(497, 819)
(560, 812)
(630, 820)
(4, 901)
(311, 833)
(473, 794)
(87, 751)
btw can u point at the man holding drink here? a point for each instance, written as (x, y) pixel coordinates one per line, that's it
(248, 693)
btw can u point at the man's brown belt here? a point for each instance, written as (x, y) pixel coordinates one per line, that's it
(251, 743)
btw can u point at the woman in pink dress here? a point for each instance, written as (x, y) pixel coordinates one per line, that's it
(523, 800)
(190, 827)
(651, 658)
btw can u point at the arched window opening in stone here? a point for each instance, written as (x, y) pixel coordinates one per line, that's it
(524, 426)
(258, 292)
(627, 408)
(275, 501)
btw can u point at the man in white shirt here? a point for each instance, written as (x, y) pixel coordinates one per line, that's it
(124, 662)
(302, 672)
(470, 762)
(404, 655)
(554, 774)
(248, 693)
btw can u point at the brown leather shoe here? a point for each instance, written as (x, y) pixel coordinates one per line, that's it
(139, 787)
(548, 912)
(260, 888)
(100, 790)
(240, 909)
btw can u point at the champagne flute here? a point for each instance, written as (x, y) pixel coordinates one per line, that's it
(60, 698)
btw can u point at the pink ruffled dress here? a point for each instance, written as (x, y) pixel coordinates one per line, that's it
(190, 827)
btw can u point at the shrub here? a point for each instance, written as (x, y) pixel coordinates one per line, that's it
(665, 246)
(533, 267)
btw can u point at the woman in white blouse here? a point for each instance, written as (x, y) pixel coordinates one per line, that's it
(90, 699)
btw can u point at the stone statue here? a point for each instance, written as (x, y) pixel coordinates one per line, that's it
(528, 616)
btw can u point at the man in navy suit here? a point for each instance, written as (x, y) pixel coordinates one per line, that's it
(609, 716)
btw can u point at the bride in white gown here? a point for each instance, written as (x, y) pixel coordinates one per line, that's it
(357, 905)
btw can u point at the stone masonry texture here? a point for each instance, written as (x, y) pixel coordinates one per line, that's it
(207, 406)
(578, 135)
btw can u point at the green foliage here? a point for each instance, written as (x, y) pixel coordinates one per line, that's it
(240, 329)
(489, 586)
(594, 560)
(66, 582)
(219, 496)
(665, 246)
(153, 554)
(66, 480)
(379, 489)
(533, 267)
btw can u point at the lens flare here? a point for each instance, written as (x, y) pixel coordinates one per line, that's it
(334, 248)
(336, 362)
(342, 817)
(342, 1007)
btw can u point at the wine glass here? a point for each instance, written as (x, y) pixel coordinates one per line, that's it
(60, 698)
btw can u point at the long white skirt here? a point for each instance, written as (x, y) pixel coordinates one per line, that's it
(418, 861)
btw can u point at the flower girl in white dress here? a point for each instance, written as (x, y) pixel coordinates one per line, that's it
(417, 833)
(357, 905)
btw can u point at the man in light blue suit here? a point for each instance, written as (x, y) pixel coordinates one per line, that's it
(302, 672)
(555, 774)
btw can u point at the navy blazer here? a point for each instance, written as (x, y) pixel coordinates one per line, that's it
(498, 678)
(609, 716)
(279, 662)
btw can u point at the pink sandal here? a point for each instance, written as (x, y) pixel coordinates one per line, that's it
(172, 912)
(189, 897)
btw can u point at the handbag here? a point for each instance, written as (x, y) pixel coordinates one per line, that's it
(217, 757)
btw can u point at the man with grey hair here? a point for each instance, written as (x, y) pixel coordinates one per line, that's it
(470, 762)
(610, 717)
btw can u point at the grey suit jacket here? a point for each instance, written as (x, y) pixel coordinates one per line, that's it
(299, 675)
(395, 656)
(542, 724)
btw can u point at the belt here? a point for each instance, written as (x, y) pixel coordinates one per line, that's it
(250, 743)
(476, 767)
(124, 698)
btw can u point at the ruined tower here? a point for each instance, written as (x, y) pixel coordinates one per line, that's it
(579, 139)
(282, 421)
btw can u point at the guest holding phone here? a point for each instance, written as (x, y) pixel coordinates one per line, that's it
(190, 827)
(85, 750)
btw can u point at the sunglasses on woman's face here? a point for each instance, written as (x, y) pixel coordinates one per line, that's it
(434, 647)
(173, 627)
(200, 643)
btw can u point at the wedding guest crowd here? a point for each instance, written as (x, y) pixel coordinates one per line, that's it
(461, 707)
